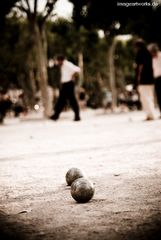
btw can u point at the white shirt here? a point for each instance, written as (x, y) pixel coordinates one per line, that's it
(67, 71)
(157, 65)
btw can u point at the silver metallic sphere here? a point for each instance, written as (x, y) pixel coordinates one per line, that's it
(82, 190)
(72, 175)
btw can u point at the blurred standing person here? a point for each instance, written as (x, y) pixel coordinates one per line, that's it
(156, 54)
(67, 89)
(145, 79)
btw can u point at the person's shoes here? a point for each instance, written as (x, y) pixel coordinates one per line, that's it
(149, 119)
(77, 119)
(54, 117)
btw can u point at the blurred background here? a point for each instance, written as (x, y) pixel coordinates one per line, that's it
(96, 35)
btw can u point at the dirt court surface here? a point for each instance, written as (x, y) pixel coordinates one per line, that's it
(120, 154)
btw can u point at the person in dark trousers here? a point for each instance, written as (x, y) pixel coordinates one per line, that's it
(156, 54)
(67, 88)
(145, 79)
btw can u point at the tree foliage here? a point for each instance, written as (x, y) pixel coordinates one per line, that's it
(5, 7)
(139, 20)
(64, 38)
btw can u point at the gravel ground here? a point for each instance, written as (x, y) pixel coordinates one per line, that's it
(120, 154)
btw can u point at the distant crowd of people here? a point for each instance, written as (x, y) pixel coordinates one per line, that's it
(9, 104)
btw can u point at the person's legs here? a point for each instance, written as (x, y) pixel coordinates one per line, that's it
(4, 107)
(158, 91)
(60, 104)
(73, 101)
(147, 100)
(1, 117)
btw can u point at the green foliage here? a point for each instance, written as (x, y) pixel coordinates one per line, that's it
(137, 20)
(64, 38)
(5, 7)
(155, 33)
(14, 48)
(8, 42)
(124, 60)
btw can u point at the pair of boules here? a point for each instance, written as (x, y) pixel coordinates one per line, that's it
(82, 190)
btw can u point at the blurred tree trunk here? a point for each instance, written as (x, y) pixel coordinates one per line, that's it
(37, 61)
(81, 65)
(41, 60)
(32, 81)
(37, 36)
(112, 80)
(24, 82)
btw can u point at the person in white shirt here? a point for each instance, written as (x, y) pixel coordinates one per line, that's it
(156, 54)
(67, 90)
